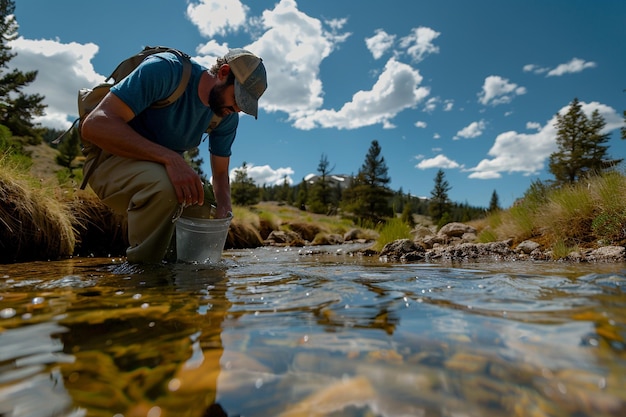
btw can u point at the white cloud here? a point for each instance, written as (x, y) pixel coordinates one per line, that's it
(293, 46)
(498, 90)
(396, 89)
(527, 153)
(419, 43)
(431, 104)
(535, 69)
(533, 126)
(51, 58)
(421, 124)
(448, 105)
(264, 174)
(472, 130)
(213, 17)
(439, 161)
(574, 66)
(380, 43)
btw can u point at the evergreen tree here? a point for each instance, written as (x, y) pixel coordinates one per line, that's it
(439, 205)
(494, 203)
(69, 149)
(17, 109)
(243, 190)
(320, 194)
(283, 191)
(581, 145)
(624, 127)
(303, 195)
(368, 196)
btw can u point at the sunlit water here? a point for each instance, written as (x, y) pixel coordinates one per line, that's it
(289, 333)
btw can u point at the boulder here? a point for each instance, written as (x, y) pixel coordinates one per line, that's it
(284, 238)
(455, 229)
(527, 246)
(608, 254)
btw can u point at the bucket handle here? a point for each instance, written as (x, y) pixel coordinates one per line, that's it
(181, 208)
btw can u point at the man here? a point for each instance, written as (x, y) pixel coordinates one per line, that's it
(141, 171)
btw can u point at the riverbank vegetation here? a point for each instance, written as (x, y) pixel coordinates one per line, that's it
(583, 214)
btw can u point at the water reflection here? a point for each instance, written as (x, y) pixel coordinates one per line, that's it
(296, 333)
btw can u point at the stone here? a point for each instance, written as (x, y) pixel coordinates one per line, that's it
(527, 246)
(456, 229)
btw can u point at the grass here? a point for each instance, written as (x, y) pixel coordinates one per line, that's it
(393, 229)
(586, 214)
(35, 219)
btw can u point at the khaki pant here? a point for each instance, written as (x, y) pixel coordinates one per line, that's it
(142, 190)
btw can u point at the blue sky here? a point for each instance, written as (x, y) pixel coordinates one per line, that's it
(471, 87)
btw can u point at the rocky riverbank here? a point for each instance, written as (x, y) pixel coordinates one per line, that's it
(457, 242)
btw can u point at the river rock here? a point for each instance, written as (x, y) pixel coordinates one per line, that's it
(527, 247)
(608, 254)
(284, 238)
(404, 250)
(456, 229)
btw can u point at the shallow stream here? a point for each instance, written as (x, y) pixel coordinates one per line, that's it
(293, 332)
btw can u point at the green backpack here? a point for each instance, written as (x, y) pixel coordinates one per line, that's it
(89, 98)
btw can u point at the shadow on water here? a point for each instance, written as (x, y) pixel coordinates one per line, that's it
(294, 332)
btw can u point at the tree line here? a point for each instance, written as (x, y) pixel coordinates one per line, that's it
(364, 197)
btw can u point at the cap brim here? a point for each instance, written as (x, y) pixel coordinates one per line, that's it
(246, 101)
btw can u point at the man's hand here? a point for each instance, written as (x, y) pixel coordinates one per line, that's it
(187, 184)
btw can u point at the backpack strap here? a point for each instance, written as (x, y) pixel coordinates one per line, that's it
(215, 120)
(184, 80)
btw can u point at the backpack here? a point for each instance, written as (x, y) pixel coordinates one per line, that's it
(89, 98)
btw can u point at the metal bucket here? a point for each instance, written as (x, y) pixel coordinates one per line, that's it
(199, 238)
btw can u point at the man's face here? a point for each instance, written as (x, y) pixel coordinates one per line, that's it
(222, 100)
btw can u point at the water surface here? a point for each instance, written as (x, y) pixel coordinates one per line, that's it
(292, 332)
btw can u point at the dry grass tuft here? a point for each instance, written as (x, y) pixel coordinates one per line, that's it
(34, 223)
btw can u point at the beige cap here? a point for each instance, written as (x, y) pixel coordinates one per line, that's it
(250, 79)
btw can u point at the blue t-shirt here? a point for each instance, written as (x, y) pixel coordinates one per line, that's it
(181, 125)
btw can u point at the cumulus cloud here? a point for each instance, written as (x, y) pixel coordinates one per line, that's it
(51, 58)
(293, 45)
(498, 90)
(514, 152)
(266, 175)
(213, 17)
(380, 43)
(397, 88)
(439, 161)
(421, 124)
(472, 130)
(574, 66)
(419, 43)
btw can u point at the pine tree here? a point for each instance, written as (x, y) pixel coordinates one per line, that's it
(243, 190)
(320, 194)
(494, 203)
(581, 144)
(17, 109)
(624, 127)
(368, 195)
(439, 205)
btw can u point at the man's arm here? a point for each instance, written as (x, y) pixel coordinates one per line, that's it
(107, 127)
(221, 184)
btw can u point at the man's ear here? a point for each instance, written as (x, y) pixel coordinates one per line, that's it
(223, 72)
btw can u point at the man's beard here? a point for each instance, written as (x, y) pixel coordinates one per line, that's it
(216, 100)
